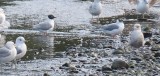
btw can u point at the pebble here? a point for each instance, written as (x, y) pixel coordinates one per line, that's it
(119, 64)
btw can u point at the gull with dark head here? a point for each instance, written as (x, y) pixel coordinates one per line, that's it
(20, 47)
(136, 37)
(95, 8)
(47, 25)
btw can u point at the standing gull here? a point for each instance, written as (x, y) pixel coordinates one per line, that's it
(8, 52)
(143, 5)
(95, 8)
(20, 47)
(136, 37)
(2, 16)
(113, 29)
(47, 25)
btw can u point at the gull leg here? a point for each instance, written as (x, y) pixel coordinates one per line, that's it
(1, 68)
(142, 16)
(98, 19)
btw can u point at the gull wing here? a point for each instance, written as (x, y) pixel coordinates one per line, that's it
(4, 52)
(133, 1)
(110, 27)
(152, 2)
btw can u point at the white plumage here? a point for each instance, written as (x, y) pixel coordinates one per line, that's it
(95, 8)
(143, 5)
(2, 16)
(8, 52)
(47, 25)
(136, 37)
(20, 47)
(113, 29)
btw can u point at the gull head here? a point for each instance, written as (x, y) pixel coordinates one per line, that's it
(145, 1)
(137, 27)
(20, 40)
(10, 45)
(51, 16)
(1, 10)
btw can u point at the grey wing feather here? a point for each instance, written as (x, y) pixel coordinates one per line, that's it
(4, 52)
(18, 50)
(110, 27)
(90, 8)
(152, 2)
(42, 26)
(133, 1)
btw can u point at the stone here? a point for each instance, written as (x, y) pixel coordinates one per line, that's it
(118, 51)
(157, 54)
(105, 68)
(65, 65)
(137, 59)
(119, 64)
(155, 48)
(74, 71)
(45, 74)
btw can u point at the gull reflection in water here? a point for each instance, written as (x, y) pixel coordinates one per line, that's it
(46, 43)
(2, 40)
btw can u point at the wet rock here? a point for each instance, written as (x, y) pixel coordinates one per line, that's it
(80, 54)
(148, 43)
(118, 51)
(83, 61)
(65, 65)
(74, 61)
(157, 54)
(58, 55)
(147, 56)
(147, 35)
(99, 70)
(92, 75)
(105, 68)
(137, 59)
(155, 48)
(45, 74)
(61, 67)
(73, 71)
(78, 66)
(119, 64)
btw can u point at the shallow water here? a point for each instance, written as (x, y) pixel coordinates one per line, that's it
(42, 51)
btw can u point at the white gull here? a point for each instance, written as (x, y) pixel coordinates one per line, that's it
(8, 52)
(113, 29)
(47, 25)
(20, 47)
(143, 5)
(2, 16)
(95, 8)
(136, 37)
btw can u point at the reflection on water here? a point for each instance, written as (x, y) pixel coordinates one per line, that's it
(41, 47)
(2, 40)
